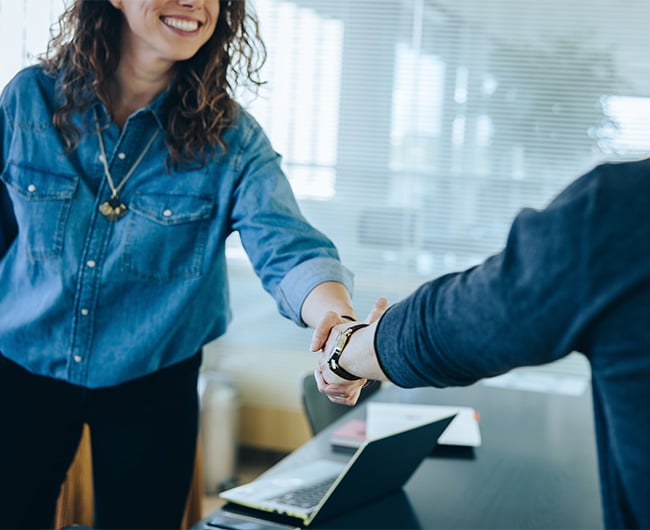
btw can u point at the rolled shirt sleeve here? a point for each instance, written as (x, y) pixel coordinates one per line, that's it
(288, 254)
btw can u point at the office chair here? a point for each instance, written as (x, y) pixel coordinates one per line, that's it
(75, 503)
(319, 410)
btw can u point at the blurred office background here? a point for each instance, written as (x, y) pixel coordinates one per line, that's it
(414, 130)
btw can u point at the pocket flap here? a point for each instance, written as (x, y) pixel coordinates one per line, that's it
(39, 184)
(169, 209)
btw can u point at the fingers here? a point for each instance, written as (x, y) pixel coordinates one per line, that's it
(327, 327)
(344, 394)
(322, 331)
(324, 338)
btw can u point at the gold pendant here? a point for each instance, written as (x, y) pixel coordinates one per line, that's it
(113, 209)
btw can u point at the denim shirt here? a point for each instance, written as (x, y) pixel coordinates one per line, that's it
(97, 303)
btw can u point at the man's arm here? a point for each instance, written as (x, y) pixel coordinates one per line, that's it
(520, 307)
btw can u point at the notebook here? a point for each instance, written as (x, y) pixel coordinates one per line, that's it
(384, 418)
(323, 488)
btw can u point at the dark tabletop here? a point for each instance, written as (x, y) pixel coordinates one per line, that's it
(536, 466)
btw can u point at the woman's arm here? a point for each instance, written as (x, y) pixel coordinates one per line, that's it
(8, 228)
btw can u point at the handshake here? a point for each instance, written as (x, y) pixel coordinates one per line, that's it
(347, 359)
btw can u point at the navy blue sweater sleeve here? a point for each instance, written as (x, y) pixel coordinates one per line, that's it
(519, 307)
(574, 276)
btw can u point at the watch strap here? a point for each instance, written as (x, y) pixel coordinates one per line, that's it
(341, 342)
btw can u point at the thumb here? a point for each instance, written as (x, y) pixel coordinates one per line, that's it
(378, 309)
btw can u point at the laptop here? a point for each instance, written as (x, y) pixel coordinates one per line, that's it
(323, 488)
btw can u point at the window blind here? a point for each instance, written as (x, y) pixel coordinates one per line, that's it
(413, 131)
(24, 32)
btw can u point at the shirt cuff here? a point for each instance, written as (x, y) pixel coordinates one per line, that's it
(302, 279)
(387, 346)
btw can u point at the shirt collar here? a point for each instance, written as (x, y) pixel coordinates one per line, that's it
(157, 108)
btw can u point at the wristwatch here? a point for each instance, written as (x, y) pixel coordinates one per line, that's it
(341, 342)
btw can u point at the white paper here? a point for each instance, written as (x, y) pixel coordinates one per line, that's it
(567, 385)
(387, 418)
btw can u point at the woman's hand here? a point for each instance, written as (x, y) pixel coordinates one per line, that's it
(337, 389)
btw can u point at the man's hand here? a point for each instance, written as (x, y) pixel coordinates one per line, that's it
(337, 389)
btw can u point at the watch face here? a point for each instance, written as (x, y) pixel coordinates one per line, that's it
(333, 364)
(341, 341)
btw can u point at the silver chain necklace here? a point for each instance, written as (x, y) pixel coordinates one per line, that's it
(113, 209)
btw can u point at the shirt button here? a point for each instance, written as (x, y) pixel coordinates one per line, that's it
(31, 188)
(167, 213)
(101, 158)
(121, 156)
(91, 263)
(77, 358)
(85, 312)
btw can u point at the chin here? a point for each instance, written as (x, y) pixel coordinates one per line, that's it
(180, 54)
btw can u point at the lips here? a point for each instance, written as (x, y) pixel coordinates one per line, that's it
(181, 24)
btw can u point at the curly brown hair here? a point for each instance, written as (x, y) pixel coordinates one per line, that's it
(200, 106)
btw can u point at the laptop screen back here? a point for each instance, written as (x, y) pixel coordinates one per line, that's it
(377, 468)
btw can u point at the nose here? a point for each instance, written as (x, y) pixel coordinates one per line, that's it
(190, 3)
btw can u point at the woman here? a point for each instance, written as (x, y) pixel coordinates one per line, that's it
(125, 165)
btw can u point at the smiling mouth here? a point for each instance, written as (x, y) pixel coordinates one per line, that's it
(181, 24)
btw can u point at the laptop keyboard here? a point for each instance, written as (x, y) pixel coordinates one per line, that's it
(306, 497)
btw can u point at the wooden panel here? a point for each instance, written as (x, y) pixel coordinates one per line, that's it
(273, 428)
(75, 503)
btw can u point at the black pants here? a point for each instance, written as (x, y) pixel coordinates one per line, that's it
(143, 436)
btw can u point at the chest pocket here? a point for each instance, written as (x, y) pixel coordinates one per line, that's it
(166, 235)
(41, 201)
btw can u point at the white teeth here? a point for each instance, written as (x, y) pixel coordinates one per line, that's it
(183, 25)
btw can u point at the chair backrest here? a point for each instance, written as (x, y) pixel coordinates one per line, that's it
(319, 410)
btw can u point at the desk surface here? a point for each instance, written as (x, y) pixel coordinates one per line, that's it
(536, 467)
